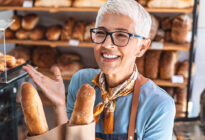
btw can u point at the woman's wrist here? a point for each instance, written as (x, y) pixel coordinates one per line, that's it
(60, 115)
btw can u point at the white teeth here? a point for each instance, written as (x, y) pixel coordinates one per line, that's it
(109, 56)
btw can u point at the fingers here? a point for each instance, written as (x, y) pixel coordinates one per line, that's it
(57, 73)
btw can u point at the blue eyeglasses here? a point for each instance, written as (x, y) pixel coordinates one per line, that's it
(119, 38)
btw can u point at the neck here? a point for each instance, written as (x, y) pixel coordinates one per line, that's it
(116, 79)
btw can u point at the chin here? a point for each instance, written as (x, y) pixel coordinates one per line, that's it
(109, 70)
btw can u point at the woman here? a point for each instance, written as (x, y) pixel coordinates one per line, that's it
(120, 36)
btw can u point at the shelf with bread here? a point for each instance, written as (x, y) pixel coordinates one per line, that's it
(92, 9)
(166, 46)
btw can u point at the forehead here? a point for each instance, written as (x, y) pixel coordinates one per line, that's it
(113, 22)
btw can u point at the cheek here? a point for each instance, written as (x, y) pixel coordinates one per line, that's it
(97, 51)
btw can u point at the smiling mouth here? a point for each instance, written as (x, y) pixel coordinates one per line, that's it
(109, 56)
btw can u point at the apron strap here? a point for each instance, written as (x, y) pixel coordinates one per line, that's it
(134, 108)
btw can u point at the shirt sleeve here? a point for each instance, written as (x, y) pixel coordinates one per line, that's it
(160, 124)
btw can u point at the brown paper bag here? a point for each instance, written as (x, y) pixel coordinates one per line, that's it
(68, 132)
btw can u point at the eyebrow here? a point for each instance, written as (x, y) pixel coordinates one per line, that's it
(118, 29)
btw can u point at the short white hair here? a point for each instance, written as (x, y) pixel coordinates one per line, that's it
(130, 8)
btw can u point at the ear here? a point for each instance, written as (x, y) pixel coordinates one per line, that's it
(145, 43)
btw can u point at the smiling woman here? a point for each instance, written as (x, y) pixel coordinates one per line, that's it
(120, 36)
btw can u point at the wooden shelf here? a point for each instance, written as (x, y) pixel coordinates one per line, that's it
(163, 83)
(167, 46)
(168, 83)
(92, 9)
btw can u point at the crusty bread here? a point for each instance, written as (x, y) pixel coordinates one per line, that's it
(53, 3)
(10, 60)
(170, 3)
(33, 110)
(53, 33)
(152, 64)
(83, 107)
(88, 3)
(30, 21)
(17, 23)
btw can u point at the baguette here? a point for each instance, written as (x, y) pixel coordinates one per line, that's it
(83, 107)
(33, 110)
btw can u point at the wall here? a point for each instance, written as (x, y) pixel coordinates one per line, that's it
(199, 79)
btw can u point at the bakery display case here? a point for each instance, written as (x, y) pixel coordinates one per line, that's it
(171, 28)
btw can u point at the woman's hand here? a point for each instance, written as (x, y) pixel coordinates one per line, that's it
(53, 90)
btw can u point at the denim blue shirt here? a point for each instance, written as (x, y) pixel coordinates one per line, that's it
(156, 110)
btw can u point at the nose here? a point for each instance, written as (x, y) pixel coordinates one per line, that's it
(108, 42)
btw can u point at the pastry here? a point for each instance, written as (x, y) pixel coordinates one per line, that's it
(67, 29)
(152, 64)
(21, 53)
(30, 21)
(33, 110)
(10, 60)
(53, 33)
(84, 105)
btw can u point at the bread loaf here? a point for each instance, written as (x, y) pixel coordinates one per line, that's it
(160, 36)
(167, 64)
(170, 3)
(140, 64)
(37, 33)
(33, 110)
(181, 26)
(17, 23)
(143, 2)
(67, 29)
(87, 31)
(9, 34)
(2, 66)
(22, 34)
(44, 57)
(67, 58)
(152, 64)
(53, 33)
(181, 97)
(167, 23)
(88, 3)
(53, 3)
(30, 21)
(83, 107)
(78, 31)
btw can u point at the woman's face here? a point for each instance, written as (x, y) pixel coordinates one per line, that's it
(111, 58)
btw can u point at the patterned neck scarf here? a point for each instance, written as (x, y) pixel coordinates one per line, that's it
(109, 98)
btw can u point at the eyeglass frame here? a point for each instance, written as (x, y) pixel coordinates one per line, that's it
(110, 33)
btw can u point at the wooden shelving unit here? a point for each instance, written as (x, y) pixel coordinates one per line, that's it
(167, 46)
(163, 83)
(92, 9)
